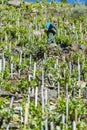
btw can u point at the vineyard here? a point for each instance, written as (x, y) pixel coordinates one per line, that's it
(43, 87)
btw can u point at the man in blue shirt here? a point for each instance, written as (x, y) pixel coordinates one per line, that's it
(51, 30)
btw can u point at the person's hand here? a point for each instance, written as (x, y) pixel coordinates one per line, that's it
(45, 30)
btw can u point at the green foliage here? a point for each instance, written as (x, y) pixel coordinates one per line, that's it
(35, 116)
(49, 64)
(63, 40)
(23, 84)
(33, 83)
(64, 1)
(31, 17)
(3, 1)
(78, 12)
(72, 104)
(81, 125)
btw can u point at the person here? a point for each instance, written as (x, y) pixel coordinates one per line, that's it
(51, 30)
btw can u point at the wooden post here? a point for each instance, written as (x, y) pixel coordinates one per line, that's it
(0, 65)
(58, 90)
(3, 64)
(51, 126)
(21, 113)
(46, 120)
(26, 114)
(66, 106)
(34, 70)
(3, 60)
(42, 77)
(42, 97)
(46, 96)
(80, 27)
(36, 96)
(70, 68)
(76, 116)
(82, 36)
(79, 93)
(10, 106)
(74, 125)
(63, 120)
(18, 22)
(24, 58)
(32, 91)
(45, 56)
(20, 57)
(8, 127)
(19, 75)
(12, 100)
(46, 124)
(2, 2)
(6, 37)
(30, 61)
(56, 65)
(83, 61)
(76, 37)
(86, 93)
(78, 70)
(28, 99)
(10, 47)
(12, 70)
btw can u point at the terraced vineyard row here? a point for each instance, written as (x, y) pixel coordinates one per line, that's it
(43, 87)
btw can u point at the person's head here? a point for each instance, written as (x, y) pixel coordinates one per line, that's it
(55, 21)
